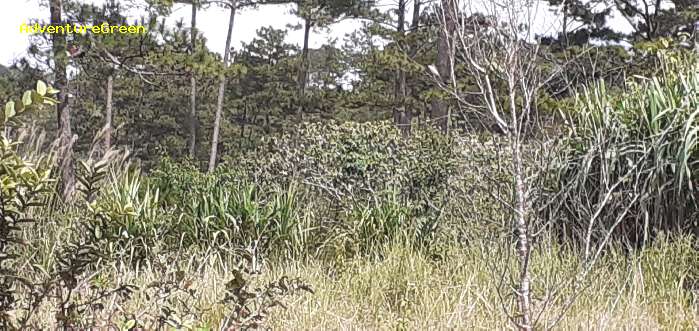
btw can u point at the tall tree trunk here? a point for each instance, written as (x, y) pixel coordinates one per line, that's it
(564, 29)
(439, 114)
(303, 69)
(416, 18)
(65, 136)
(399, 92)
(108, 114)
(193, 89)
(221, 91)
(407, 118)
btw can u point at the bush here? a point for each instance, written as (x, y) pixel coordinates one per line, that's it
(227, 210)
(368, 183)
(357, 162)
(637, 155)
(136, 221)
(349, 186)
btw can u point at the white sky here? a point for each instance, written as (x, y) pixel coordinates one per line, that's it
(212, 22)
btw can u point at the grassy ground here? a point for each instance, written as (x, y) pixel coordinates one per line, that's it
(410, 291)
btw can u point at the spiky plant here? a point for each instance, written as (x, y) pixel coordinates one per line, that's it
(630, 170)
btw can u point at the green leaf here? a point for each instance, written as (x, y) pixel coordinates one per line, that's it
(27, 98)
(98, 234)
(41, 88)
(52, 90)
(128, 325)
(37, 98)
(50, 101)
(9, 110)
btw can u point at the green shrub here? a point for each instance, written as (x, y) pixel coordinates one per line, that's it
(136, 221)
(357, 162)
(368, 183)
(22, 186)
(351, 185)
(632, 159)
(227, 210)
(179, 181)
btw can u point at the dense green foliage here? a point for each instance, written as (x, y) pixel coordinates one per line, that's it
(637, 151)
(365, 176)
(23, 185)
(355, 162)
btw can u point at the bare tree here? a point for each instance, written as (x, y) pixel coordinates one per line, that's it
(503, 64)
(503, 59)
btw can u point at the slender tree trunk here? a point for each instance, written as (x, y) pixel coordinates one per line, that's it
(564, 29)
(65, 136)
(242, 126)
(521, 225)
(407, 118)
(439, 114)
(193, 89)
(108, 114)
(221, 91)
(521, 210)
(416, 18)
(303, 69)
(399, 92)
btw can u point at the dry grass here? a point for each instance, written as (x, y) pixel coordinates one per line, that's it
(406, 290)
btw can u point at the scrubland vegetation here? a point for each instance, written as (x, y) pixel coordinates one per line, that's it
(352, 226)
(554, 198)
